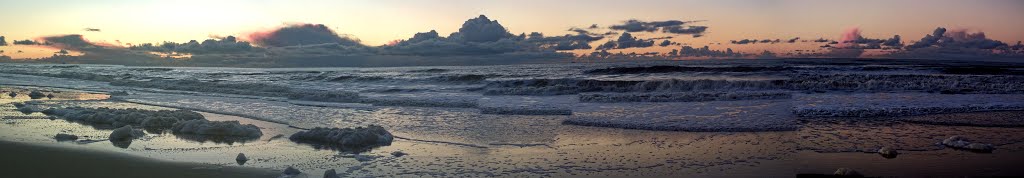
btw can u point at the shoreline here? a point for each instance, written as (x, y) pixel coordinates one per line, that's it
(39, 160)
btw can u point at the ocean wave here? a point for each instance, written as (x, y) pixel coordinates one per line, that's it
(927, 83)
(667, 69)
(422, 102)
(525, 111)
(682, 96)
(429, 71)
(574, 86)
(239, 88)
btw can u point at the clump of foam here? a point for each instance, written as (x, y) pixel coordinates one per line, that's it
(217, 128)
(148, 119)
(959, 142)
(348, 139)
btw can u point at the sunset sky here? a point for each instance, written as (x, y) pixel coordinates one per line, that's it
(379, 21)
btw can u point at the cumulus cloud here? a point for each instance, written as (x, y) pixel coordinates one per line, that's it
(482, 35)
(958, 43)
(3, 41)
(942, 38)
(300, 34)
(481, 29)
(627, 40)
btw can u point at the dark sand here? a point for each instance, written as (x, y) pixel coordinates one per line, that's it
(33, 160)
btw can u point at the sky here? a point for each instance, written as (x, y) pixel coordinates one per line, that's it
(375, 22)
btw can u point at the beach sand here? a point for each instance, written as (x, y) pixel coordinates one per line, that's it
(36, 160)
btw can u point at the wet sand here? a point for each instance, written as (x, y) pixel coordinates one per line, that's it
(460, 142)
(35, 160)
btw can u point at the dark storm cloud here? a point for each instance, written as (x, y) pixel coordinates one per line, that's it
(300, 34)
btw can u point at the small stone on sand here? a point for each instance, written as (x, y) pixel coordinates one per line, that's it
(291, 171)
(330, 174)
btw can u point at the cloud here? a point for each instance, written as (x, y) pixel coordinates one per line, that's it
(481, 29)
(3, 41)
(583, 31)
(743, 41)
(667, 43)
(300, 34)
(793, 40)
(894, 41)
(669, 26)
(72, 41)
(687, 51)
(694, 30)
(227, 44)
(480, 36)
(755, 41)
(960, 43)
(852, 38)
(941, 38)
(627, 40)
(24, 42)
(566, 42)
(92, 29)
(849, 37)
